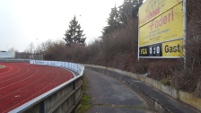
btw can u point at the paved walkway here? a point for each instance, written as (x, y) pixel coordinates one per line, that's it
(169, 104)
(111, 96)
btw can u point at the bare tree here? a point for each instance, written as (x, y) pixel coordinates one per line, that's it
(30, 48)
(12, 49)
(43, 47)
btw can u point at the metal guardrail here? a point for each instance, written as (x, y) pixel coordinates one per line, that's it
(62, 99)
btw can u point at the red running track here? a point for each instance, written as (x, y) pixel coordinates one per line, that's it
(21, 82)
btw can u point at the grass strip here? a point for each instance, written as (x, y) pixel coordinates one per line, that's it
(85, 104)
(1, 66)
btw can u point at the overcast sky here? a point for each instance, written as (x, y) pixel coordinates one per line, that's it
(25, 21)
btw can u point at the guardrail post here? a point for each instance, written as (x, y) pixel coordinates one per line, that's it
(42, 107)
(74, 87)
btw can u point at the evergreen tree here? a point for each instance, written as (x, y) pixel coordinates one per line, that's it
(113, 22)
(129, 10)
(74, 34)
(120, 16)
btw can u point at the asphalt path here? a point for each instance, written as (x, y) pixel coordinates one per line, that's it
(111, 96)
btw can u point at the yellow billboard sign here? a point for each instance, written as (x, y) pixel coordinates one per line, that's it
(166, 27)
(153, 8)
(172, 49)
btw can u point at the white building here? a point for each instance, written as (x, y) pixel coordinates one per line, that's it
(4, 54)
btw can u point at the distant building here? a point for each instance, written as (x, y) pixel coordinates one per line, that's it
(20, 55)
(25, 55)
(7, 55)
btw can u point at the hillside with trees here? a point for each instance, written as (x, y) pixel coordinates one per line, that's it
(118, 47)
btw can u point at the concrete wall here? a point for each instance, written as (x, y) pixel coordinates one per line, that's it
(177, 94)
(62, 99)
